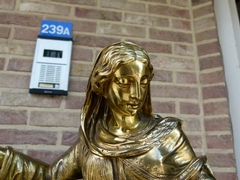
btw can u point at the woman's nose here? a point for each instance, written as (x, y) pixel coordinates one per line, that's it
(135, 90)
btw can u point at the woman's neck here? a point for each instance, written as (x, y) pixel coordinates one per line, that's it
(120, 124)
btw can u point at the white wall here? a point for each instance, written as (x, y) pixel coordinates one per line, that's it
(229, 37)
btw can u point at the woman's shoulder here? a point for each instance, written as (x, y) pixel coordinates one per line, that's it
(166, 121)
(163, 126)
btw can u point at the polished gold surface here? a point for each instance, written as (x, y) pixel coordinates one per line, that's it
(119, 137)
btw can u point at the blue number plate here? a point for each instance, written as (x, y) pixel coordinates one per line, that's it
(56, 29)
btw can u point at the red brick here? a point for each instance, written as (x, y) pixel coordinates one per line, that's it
(26, 34)
(170, 35)
(13, 116)
(18, 49)
(34, 137)
(186, 77)
(77, 85)
(124, 5)
(163, 76)
(44, 8)
(84, 26)
(20, 19)
(198, 2)
(7, 4)
(217, 124)
(94, 41)
(55, 119)
(219, 142)
(122, 30)
(191, 125)
(146, 20)
(221, 159)
(195, 141)
(14, 81)
(203, 11)
(23, 65)
(45, 156)
(4, 32)
(181, 24)
(169, 11)
(81, 54)
(216, 108)
(206, 35)
(154, 47)
(208, 48)
(2, 62)
(212, 77)
(74, 102)
(68, 138)
(79, 69)
(183, 3)
(82, 2)
(11, 98)
(205, 23)
(189, 108)
(184, 50)
(164, 107)
(172, 63)
(210, 62)
(97, 14)
(168, 91)
(225, 175)
(214, 92)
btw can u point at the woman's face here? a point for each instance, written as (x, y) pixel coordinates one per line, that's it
(127, 90)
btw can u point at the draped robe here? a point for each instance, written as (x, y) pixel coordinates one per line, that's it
(161, 151)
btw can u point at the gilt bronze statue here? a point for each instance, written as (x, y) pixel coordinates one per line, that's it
(119, 137)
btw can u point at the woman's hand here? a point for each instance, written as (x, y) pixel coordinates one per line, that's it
(2, 155)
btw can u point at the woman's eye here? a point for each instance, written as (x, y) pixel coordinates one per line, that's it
(144, 83)
(122, 83)
(125, 85)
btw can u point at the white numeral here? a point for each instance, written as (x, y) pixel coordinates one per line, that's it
(52, 29)
(59, 29)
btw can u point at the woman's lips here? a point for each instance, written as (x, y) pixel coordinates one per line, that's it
(133, 106)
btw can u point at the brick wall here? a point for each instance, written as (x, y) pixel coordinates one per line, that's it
(181, 38)
(216, 121)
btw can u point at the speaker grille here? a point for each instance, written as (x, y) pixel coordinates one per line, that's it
(50, 73)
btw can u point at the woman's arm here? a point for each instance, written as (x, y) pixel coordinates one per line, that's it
(68, 166)
(16, 165)
(181, 155)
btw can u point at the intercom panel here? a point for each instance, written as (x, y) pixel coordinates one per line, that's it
(51, 66)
